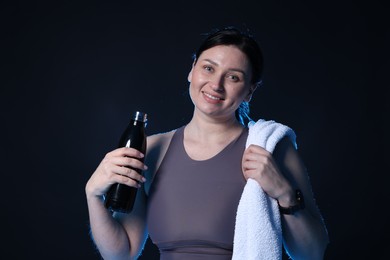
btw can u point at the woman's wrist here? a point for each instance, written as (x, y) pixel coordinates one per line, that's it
(291, 208)
(287, 199)
(90, 196)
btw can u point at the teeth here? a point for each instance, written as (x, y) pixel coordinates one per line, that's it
(212, 97)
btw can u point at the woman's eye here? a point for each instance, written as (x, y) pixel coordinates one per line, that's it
(208, 68)
(234, 78)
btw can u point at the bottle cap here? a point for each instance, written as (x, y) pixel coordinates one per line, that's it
(140, 116)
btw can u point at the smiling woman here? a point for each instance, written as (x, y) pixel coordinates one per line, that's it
(195, 175)
(220, 81)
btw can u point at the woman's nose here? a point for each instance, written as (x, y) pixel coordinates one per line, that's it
(217, 84)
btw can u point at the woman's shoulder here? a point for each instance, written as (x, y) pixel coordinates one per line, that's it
(160, 138)
(157, 146)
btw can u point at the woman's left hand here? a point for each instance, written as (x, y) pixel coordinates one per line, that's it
(258, 164)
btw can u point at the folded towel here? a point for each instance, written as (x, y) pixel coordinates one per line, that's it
(258, 230)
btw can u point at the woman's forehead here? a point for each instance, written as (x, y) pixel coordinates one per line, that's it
(228, 55)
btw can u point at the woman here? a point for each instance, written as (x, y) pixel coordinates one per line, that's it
(194, 175)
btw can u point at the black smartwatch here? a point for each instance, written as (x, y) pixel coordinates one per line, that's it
(292, 209)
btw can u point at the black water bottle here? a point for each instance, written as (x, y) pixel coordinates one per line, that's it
(121, 197)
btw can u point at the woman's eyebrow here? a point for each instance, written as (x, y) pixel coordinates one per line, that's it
(231, 69)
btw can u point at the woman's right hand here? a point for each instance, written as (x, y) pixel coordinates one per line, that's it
(116, 167)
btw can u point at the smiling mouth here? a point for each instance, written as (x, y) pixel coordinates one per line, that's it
(211, 96)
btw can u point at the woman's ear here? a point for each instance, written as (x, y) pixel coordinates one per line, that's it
(190, 73)
(252, 89)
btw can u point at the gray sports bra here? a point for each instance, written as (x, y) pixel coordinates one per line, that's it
(192, 204)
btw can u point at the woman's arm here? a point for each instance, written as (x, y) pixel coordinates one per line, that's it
(304, 232)
(280, 174)
(120, 236)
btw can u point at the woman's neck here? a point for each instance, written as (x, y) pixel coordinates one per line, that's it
(206, 130)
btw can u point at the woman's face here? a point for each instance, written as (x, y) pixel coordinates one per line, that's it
(220, 81)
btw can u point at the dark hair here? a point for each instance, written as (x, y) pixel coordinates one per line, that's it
(248, 45)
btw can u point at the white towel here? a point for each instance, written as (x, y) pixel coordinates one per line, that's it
(258, 229)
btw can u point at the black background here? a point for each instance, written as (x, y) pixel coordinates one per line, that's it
(73, 72)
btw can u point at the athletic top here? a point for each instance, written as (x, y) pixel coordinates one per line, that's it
(192, 204)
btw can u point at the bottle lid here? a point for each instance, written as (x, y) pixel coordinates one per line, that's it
(140, 116)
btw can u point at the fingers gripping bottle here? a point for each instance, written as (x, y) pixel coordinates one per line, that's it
(121, 197)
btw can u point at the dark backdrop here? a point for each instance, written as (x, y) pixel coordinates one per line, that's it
(73, 72)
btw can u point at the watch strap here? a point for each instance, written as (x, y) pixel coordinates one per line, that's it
(292, 209)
